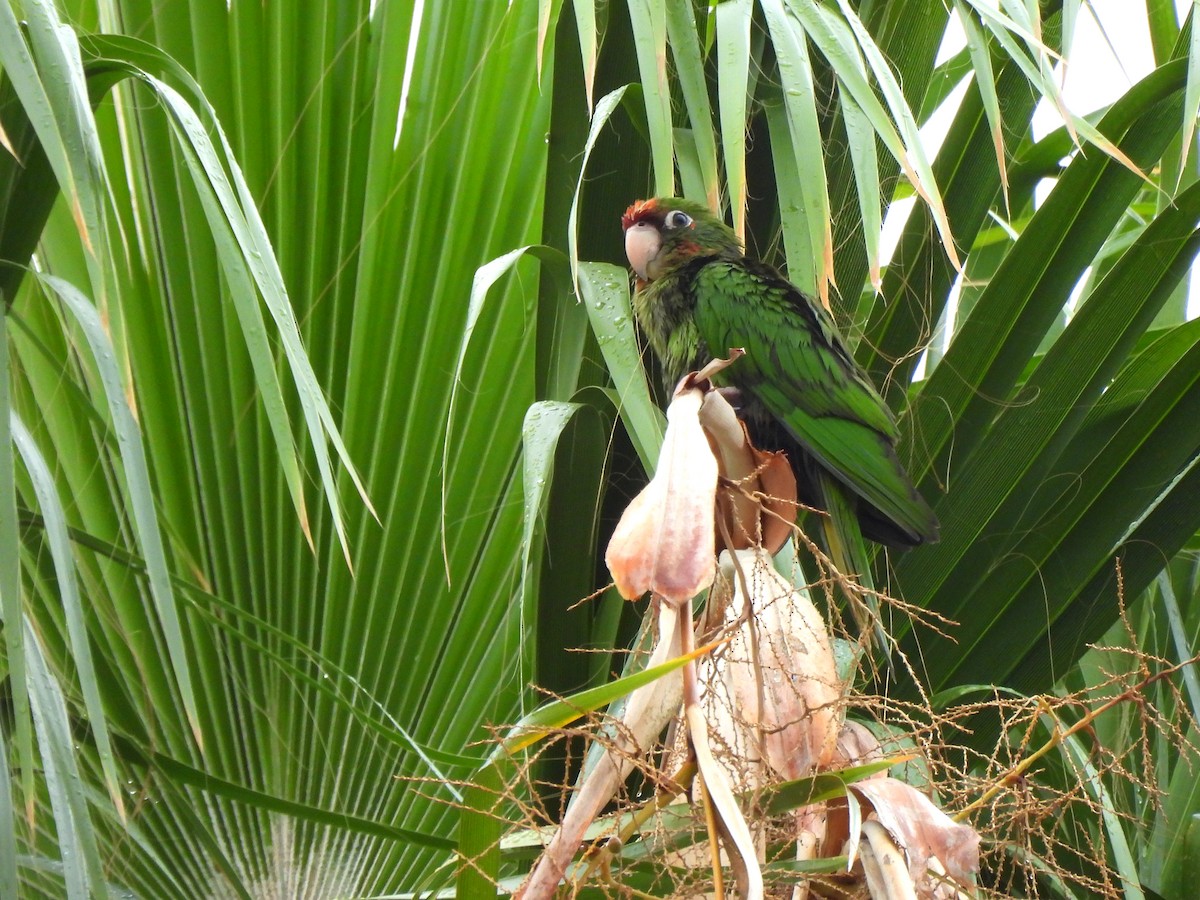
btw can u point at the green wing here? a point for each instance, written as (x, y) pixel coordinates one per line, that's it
(798, 369)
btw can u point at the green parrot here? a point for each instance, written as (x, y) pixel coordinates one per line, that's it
(798, 388)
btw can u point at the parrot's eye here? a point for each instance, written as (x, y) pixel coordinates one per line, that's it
(678, 219)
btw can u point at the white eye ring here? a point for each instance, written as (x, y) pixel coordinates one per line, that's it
(678, 219)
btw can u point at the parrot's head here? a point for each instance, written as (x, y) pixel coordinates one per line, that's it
(666, 232)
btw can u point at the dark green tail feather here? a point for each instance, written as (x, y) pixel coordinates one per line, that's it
(847, 550)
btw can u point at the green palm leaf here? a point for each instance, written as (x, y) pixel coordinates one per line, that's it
(254, 232)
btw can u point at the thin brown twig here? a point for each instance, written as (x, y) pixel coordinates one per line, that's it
(1131, 694)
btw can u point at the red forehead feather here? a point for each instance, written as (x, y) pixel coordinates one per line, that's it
(639, 211)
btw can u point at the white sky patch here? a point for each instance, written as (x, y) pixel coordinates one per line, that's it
(953, 40)
(1111, 52)
(1095, 77)
(933, 132)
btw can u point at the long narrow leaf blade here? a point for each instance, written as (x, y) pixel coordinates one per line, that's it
(733, 77)
(141, 499)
